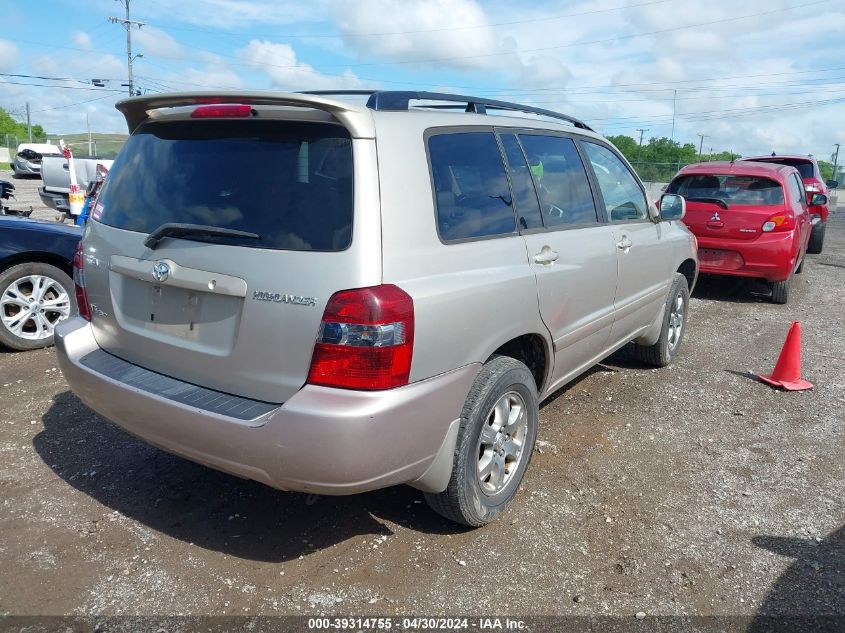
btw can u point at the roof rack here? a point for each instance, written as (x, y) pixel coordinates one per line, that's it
(399, 100)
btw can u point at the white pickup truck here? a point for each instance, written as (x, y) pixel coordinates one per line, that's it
(56, 177)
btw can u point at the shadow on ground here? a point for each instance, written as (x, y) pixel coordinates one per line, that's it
(734, 289)
(208, 508)
(810, 594)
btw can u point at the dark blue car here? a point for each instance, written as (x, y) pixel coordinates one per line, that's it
(36, 289)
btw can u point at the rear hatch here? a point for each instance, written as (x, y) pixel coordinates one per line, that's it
(730, 207)
(237, 313)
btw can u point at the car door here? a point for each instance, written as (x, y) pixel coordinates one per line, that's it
(571, 251)
(643, 247)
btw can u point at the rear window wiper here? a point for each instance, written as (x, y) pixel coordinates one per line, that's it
(717, 201)
(177, 229)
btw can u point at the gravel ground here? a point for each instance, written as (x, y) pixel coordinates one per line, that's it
(692, 490)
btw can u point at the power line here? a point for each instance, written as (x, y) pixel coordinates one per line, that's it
(18, 83)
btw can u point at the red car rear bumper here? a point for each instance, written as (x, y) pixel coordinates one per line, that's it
(821, 211)
(770, 256)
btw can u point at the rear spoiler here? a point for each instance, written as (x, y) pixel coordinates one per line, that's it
(356, 118)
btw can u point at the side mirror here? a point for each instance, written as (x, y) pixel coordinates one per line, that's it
(819, 199)
(672, 207)
(832, 184)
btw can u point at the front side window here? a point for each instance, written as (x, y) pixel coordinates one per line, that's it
(289, 183)
(623, 197)
(562, 184)
(470, 186)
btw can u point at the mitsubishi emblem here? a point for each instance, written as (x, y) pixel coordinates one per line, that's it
(716, 217)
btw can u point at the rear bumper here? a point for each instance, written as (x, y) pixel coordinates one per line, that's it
(770, 256)
(820, 211)
(322, 440)
(54, 200)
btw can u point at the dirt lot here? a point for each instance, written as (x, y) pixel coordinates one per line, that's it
(691, 490)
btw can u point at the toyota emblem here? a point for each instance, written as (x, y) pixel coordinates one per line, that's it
(161, 271)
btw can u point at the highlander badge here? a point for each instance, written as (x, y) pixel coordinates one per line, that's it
(276, 297)
(161, 271)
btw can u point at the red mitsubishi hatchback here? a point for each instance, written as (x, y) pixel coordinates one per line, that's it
(751, 219)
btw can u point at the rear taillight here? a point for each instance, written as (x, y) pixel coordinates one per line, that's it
(101, 173)
(783, 221)
(79, 284)
(222, 112)
(366, 340)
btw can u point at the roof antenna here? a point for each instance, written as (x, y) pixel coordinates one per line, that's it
(773, 154)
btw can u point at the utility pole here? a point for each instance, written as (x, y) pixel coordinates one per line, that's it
(128, 24)
(28, 123)
(835, 161)
(700, 144)
(88, 125)
(674, 100)
(640, 148)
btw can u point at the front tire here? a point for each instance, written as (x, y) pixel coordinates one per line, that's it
(816, 244)
(663, 352)
(498, 430)
(34, 298)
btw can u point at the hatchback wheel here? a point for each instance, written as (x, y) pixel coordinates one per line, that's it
(34, 298)
(496, 439)
(780, 290)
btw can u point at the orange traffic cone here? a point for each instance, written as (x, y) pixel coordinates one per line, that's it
(787, 373)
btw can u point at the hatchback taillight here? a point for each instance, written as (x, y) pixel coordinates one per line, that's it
(366, 340)
(79, 284)
(782, 221)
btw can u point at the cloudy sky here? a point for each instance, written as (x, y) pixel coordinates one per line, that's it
(752, 76)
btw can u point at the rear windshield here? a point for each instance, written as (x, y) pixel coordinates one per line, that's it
(734, 190)
(290, 183)
(805, 168)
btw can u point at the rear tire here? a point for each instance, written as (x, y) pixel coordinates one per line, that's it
(663, 352)
(22, 287)
(780, 291)
(814, 247)
(496, 439)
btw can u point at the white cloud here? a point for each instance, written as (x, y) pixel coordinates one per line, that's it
(82, 40)
(8, 55)
(280, 64)
(154, 41)
(397, 30)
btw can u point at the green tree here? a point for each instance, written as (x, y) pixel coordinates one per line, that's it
(16, 129)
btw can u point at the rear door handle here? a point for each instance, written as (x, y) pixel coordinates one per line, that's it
(624, 244)
(546, 256)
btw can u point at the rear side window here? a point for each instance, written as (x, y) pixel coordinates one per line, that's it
(470, 186)
(732, 189)
(291, 183)
(562, 184)
(527, 205)
(623, 197)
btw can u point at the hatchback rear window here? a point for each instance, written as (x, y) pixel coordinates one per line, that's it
(732, 189)
(805, 168)
(290, 183)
